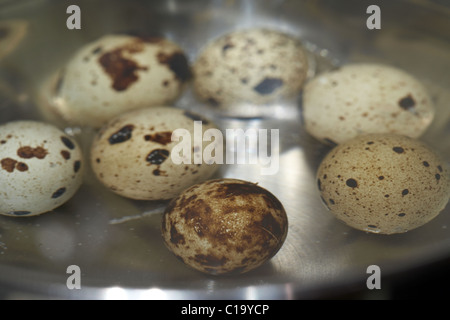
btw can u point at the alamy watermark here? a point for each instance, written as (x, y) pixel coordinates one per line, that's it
(74, 280)
(74, 20)
(251, 146)
(374, 20)
(374, 280)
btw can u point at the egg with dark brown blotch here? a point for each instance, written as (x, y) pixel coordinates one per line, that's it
(115, 74)
(133, 154)
(250, 67)
(384, 183)
(41, 168)
(225, 226)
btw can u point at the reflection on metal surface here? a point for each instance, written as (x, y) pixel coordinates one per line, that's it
(117, 242)
(12, 32)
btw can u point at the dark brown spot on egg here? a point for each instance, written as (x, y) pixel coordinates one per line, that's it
(352, 183)
(407, 103)
(68, 143)
(381, 178)
(398, 149)
(157, 156)
(158, 172)
(122, 135)
(178, 63)
(213, 102)
(268, 86)
(175, 237)
(227, 47)
(160, 137)
(270, 224)
(440, 168)
(8, 164)
(319, 184)
(426, 164)
(210, 260)
(438, 176)
(238, 189)
(65, 154)
(121, 70)
(405, 192)
(28, 152)
(58, 193)
(22, 167)
(97, 50)
(77, 166)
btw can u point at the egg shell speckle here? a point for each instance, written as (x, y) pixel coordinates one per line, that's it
(254, 66)
(115, 74)
(384, 183)
(41, 168)
(225, 226)
(365, 98)
(132, 154)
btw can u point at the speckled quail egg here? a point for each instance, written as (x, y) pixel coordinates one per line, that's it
(153, 153)
(41, 168)
(115, 74)
(384, 183)
(365, 98)
(253, 66)
(225, 226)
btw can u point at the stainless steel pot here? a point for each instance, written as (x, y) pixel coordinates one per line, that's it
(116, 242)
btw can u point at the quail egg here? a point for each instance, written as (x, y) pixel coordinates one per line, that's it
(384, 183)
(225, 226)
(250, 67)
(365, 98)
(154, 153)
(115, 74)
(41, 168)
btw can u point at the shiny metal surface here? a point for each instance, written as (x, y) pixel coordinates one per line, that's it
(116, 242)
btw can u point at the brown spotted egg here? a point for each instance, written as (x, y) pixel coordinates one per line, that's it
(365, 98)
(384, 183)
(115, 74)
(225, 226)
(133, 155)
(41, 168)
(254, 66)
